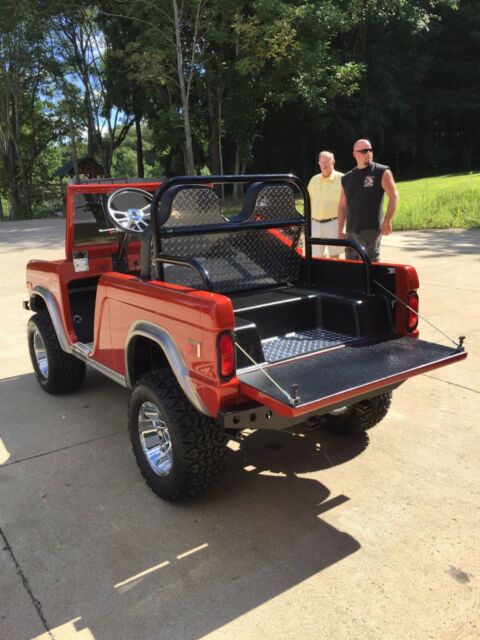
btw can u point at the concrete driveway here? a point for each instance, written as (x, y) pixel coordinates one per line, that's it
(309, 535)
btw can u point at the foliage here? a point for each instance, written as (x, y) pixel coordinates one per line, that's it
(28, 118)
(167, 87)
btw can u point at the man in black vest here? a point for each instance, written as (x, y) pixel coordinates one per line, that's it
(361, 202)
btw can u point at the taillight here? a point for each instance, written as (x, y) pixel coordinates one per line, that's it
(226, 355)
(412, 315)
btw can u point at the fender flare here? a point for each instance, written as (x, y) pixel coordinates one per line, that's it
(53, 310)
(165, 341)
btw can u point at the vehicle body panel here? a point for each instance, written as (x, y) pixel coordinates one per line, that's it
(186, 323)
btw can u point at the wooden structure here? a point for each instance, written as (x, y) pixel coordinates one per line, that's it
(87, 167)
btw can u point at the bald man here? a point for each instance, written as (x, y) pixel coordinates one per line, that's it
(361, 202)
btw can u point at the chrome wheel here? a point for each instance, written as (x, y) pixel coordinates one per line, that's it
(339, 412)
(155, 439)
(40, 354)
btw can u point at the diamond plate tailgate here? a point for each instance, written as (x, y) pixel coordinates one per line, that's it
(340, 374)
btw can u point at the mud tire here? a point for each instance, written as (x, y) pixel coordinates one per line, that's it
(359, 417)
(197, 443)
(61, 372)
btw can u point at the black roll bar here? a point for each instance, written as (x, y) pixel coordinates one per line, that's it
(247, 178)
(354, 245)
(228, 227)
(191, 263)
(289, 178)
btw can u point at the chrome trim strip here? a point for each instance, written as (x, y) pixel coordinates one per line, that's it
(54, 312)
(174, 356)
(82, 352)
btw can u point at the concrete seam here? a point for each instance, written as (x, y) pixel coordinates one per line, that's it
(71, 446)
(454, 384)
(36, 603)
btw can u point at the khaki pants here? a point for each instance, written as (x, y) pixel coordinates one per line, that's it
(328, 229)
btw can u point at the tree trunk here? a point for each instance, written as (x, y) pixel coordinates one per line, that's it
(25, 187)
(189, 158)
(219, 115)
(236, 170)
(10, 172)
(73, 144)
(138, 131)
(91, 130)
(107, 158)
(15, 133)
(214, 131)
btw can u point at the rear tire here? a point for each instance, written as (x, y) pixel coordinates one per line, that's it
(56, 371)
(359, 417)
(180, 452)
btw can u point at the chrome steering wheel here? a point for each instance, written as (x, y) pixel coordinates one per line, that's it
(133, 219)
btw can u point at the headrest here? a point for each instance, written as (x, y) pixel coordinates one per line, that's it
(268, 202)
(188, 205)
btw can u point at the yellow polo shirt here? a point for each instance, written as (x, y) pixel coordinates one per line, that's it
(325, 195)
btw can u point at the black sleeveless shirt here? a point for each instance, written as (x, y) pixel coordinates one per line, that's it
(364, 193)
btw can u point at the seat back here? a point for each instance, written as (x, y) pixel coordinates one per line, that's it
(235, 260)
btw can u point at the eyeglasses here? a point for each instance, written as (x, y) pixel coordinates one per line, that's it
(363, 151)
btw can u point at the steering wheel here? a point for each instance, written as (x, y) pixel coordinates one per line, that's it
(133, 220)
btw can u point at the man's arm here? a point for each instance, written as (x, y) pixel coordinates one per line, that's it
(342, 214)
(390, 188)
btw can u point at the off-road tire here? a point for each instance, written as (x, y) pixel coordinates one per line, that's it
(64, 372)
(360, 416)
(198, 444)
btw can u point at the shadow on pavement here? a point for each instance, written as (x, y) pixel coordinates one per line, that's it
(438, 241)
(101, 552)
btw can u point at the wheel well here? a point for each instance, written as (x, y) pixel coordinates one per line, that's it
(37, 303)
(144, 356)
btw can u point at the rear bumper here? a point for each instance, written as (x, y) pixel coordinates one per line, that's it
(257, 416)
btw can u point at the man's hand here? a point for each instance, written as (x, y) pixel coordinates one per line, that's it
(342, 235)
(386, 228)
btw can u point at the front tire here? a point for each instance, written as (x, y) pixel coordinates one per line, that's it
(180, 452)
(56, 371)
(360, 416)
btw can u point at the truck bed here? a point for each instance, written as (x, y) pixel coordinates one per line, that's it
(275, 324)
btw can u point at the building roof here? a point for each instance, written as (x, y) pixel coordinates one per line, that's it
(86, 166)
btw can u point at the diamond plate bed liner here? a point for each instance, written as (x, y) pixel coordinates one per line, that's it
(299, 342)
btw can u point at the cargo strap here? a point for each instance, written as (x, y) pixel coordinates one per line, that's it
(461, 339)
(294, 400)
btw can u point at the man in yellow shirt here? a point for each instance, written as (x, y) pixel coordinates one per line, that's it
(325, 189)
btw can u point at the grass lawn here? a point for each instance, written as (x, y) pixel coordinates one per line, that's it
(439, 203)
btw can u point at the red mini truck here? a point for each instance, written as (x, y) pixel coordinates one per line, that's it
(218, 322)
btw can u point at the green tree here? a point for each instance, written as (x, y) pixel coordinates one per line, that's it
(28, 122)
(79, 50)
